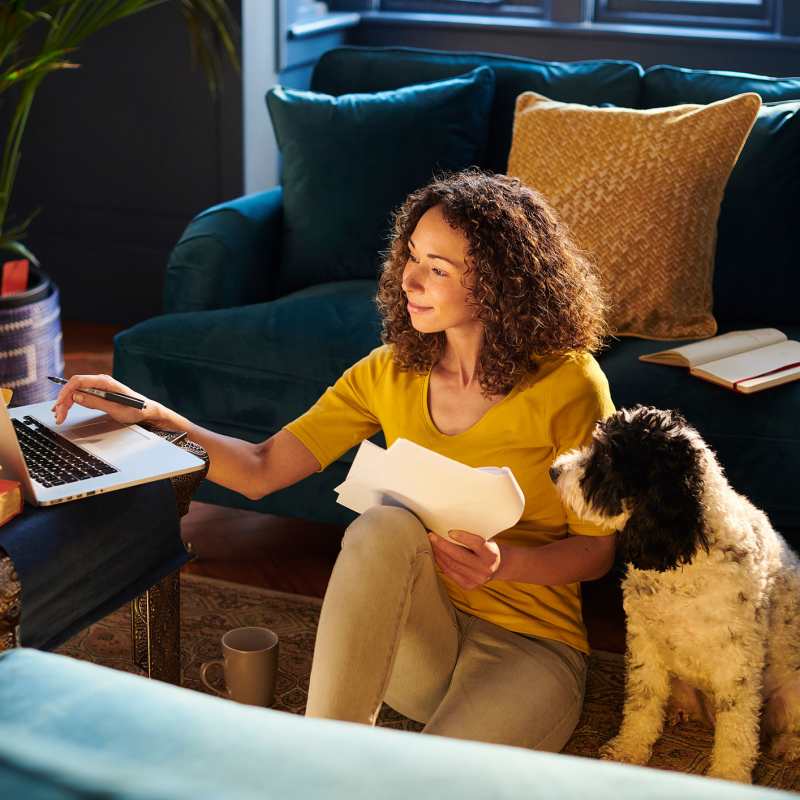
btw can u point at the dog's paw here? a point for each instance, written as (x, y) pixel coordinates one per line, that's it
(785, 746)
(617, 749)
(731, 772)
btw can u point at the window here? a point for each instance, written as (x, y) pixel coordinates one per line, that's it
(760, 15)
(527, 8)
(780, 17)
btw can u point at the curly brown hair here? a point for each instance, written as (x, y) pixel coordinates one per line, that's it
(534, 291)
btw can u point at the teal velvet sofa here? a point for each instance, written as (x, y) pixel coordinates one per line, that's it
(73, 730)
(244, 346)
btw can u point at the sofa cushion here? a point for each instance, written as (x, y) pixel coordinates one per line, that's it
(756, 436)
(639, 191)
(664, 84)
(757, 274)
(373, 69)
(247, 371)
(349, 161)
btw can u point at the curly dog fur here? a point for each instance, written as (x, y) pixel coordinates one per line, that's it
(711, 592)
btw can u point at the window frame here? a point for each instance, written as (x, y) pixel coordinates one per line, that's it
(761, 16)
(762, 20)
(758, 16)
(530, 9)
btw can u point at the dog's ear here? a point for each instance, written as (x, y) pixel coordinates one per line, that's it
(667, 524)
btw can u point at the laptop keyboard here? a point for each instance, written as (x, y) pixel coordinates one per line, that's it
(54, 460)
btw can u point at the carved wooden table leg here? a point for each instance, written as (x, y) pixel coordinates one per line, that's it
(156, 614)
(10, 603)
(156, 630)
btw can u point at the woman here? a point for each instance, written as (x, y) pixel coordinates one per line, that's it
(490, 315)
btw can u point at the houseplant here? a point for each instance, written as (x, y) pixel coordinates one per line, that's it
(37, 38)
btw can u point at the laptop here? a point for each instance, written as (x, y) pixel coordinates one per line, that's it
(88, 454)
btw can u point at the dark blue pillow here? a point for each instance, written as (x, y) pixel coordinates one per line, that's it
(356, 68)
(349, 161)
(756, 273)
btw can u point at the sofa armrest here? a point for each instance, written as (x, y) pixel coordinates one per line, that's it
(229, 255)
(72, 729)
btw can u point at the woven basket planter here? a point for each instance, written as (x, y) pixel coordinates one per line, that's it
(30, 341)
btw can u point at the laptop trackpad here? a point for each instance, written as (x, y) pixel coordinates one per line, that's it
(108, 439)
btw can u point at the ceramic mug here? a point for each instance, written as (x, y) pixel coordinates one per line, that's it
(250, 663)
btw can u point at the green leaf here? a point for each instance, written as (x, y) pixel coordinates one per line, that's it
(66, 24)
(38, 69)
(20, 230)
(18, 249)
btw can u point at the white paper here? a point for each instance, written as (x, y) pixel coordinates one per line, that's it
(752, 364)
(442, 492)
(718, 347)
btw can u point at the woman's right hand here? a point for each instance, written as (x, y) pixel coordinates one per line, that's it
(71, 393)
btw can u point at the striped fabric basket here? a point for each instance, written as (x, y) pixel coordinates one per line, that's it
(31, 349)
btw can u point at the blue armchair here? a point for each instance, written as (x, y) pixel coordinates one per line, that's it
(236, 352)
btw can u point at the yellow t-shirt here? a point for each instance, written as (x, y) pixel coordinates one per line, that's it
(552, 412)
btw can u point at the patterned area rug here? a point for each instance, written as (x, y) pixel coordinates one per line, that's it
(211, 607)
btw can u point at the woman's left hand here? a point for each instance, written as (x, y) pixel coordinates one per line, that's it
(470, 566)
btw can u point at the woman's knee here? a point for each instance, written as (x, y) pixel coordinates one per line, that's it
(545, 732)
(382, 528)
(508, 689)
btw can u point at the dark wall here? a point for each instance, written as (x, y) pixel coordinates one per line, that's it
(120, 154)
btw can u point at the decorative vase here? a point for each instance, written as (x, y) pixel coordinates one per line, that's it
(31, 346)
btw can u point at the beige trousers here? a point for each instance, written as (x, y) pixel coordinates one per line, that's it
(389, 632)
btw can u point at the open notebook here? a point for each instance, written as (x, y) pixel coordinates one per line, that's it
(744, 361)
(443, 493)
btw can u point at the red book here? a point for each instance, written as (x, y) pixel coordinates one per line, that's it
(745, 361)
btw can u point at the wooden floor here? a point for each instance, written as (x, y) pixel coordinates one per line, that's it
(292, 555)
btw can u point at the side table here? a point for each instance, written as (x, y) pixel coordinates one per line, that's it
(155, 613)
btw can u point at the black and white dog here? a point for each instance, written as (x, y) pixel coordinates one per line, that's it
(711, 592)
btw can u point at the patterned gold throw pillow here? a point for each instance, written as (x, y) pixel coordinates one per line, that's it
(640, 191)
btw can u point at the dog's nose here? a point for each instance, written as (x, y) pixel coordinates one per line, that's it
(554, 473)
